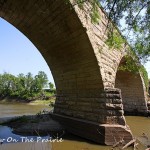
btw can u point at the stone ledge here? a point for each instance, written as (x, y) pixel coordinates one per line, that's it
(105, 134)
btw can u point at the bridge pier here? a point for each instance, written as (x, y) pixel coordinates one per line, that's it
(105, 127)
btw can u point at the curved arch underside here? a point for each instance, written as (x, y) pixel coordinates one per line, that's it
(132, 91)
(54, 28)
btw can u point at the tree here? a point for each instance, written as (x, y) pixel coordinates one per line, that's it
(22, 86)
(40, 81)
(43, 79)
(29, 83)
(51, 86)
(7, 84)
(135, 14)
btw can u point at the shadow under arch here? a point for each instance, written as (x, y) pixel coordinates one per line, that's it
(132, 89)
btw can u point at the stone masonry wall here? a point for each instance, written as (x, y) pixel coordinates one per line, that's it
(105, 108)
(83, 67)
(58, 33)
(109, 60)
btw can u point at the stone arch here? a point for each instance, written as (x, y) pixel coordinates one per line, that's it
(132, 89)
(57, 32)
(68, 46)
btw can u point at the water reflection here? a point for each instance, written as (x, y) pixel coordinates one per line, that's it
(6, 136)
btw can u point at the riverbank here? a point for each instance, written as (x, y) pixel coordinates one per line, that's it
(138, 125)
(40, 124)
(70, 140)
(9, 100)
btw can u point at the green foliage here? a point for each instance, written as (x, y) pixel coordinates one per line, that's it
(133, 19)
(95, 15)
(145, 76)
(7, 84)
(115, 40)
(129, 65)
(80, 3)
(51, 86)
(24, 86)
(40, 82)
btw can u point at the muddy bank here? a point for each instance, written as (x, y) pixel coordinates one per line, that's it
(41, 124)
(13, 100)
(9, 100)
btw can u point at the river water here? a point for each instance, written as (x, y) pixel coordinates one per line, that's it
(18, 109)
(138, 125)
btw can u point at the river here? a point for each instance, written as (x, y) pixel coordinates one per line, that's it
(138, 125)
(18, 109)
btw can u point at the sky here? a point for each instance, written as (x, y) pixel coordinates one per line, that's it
(19, 55)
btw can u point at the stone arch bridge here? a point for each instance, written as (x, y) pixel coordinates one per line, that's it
(92, 94)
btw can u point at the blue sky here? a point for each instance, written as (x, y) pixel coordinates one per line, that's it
(19, 55)
(147, 66)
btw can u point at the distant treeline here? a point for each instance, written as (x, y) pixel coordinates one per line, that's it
(26, 87)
